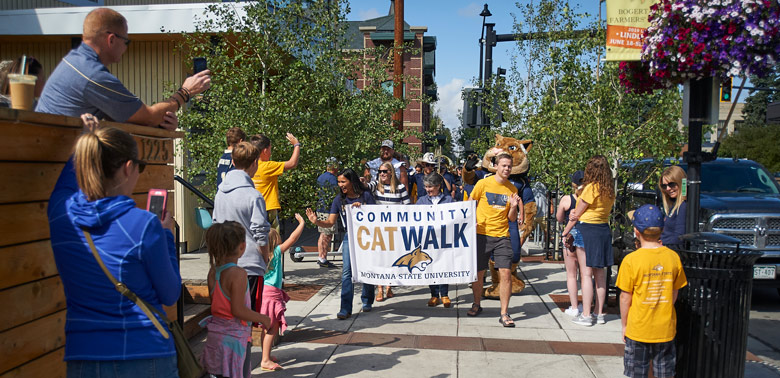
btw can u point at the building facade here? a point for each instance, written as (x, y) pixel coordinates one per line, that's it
(421, 66)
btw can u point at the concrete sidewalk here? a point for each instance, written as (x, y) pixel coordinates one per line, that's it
(402, 336)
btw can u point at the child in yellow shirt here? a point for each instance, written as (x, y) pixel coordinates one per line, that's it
(649, 278)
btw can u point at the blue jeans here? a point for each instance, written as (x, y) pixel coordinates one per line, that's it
(347, 287)
(440, 290)
(164, 367)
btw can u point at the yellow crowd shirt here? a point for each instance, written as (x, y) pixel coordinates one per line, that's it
(493, 206)
(651, 275)
(266, 181)
(599, 206)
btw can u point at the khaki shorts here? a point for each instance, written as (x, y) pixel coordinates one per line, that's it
(326, 230)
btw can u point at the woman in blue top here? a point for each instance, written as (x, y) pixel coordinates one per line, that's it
(433, 196)
(352, 193)
(106, 334)
(674, 206)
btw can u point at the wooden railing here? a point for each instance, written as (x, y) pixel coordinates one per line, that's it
(33, 149)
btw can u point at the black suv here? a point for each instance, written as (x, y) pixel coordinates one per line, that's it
(739, 198)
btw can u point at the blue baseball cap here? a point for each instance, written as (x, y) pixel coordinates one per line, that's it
(647, 216)
(577, 177)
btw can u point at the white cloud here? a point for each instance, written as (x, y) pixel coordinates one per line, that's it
(471, 10)
(450, 103)
(368, 14)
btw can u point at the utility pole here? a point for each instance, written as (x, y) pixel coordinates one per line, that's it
(398, 62)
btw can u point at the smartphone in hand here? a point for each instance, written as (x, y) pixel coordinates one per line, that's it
(157, 202)
(199, 64)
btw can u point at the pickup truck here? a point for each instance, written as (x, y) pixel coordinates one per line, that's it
(739, 198)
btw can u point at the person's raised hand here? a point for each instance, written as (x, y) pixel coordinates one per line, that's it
(514, 199)
(170, 121)
(299, 218)
(90, 122)
(293, 140)
(471, 162)
(310, 214)
(198, 83)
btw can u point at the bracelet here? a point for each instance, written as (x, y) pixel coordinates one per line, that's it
(297, 144)
(184, 93)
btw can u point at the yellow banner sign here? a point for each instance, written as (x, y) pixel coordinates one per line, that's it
(626, 24)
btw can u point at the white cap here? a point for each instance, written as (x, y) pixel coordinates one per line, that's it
(387, 143)
(427, 158)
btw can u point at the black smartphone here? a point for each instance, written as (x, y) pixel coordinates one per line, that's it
(199, 64)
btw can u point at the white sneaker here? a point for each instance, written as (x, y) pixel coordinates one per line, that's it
(583, 321)
(600, 319)
(571, 311)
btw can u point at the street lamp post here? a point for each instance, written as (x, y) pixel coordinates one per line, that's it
(485, 13)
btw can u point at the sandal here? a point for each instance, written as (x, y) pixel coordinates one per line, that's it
(379, 296)
(389, 293)
(506, 321)
(475, 310)
(274, 367)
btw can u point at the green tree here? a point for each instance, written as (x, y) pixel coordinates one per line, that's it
(756, 103)
(570, 103)
(757, 143)
(281, 66)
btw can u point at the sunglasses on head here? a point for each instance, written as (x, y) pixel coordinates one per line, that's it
(670, 185)
(384, 171)
(140, 163)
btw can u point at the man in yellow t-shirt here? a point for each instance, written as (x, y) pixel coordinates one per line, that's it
(649, 278)
(497, 202)
(267, 177)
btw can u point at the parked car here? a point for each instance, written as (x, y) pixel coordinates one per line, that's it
(739, 198)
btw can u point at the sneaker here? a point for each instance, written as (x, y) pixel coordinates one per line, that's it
(571, 311)
(599, 319)
(343, 314)
(326, 264)
(582, 320)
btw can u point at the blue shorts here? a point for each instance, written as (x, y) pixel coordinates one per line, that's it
(637, 357)
(578, 242)
(598, 244)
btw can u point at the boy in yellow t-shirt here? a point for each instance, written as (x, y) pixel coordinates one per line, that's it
(649, 278)
(497, 202)
(267, 177)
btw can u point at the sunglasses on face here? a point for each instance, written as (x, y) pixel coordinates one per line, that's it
(670, 185)
(384, 171)
(127, 40)
(140, 163)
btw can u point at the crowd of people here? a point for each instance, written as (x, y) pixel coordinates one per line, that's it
(94, 222)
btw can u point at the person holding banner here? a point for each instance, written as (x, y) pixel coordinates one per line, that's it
(352, 194)
(388, 191)
(434, 196)
(497, 202)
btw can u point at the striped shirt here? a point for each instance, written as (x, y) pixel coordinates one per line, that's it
(400, 197)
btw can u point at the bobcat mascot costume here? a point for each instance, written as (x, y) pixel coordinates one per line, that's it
(519, 178)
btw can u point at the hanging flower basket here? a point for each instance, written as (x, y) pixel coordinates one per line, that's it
(691, 39)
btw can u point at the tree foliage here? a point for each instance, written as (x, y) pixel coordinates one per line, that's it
(754, 112)
(757, 143)
(570, 103)
(281, 66)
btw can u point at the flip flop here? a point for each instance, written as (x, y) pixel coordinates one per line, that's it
(274, 359)
(275, 367)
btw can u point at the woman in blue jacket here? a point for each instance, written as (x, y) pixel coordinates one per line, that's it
(108, 335)
(433, 196)
(675, 206)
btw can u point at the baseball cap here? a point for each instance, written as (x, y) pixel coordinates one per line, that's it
(647, 216)
(577, 177)
(387, 143)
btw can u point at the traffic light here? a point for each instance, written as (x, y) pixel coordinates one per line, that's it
(725, 90)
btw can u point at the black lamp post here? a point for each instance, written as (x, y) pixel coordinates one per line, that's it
(485, 13)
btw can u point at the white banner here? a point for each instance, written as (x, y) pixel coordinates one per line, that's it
(407, 245)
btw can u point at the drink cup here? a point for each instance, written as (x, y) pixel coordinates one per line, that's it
(22, 91)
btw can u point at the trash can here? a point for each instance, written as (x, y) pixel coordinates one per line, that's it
(714, 308)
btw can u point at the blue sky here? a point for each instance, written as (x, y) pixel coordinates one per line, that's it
(457, 26)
